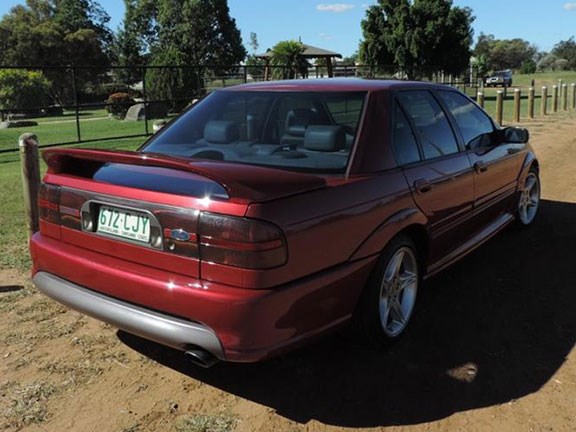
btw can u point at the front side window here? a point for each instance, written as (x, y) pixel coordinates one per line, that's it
(475, 126)
(434, 131)
(311, 131)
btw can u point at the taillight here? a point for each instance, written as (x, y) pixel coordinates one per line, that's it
(48, 203)
(240, 242)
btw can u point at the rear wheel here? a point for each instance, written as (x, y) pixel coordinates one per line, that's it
(390, 296)
(529, 198)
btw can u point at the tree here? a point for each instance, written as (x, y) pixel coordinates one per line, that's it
(505, 53)
(287, 57)
(23, 90)
(374, 50)
(350, 60)
(254, 42)
(58, 33)
(566, 50)
(191, 33)
(419, 37)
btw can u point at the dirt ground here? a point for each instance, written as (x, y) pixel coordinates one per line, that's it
(491, 349)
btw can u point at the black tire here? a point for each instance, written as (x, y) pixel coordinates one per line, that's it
(529, 199)
(389, 298)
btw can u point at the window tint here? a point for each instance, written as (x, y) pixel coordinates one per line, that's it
(473, 123)
(405, 145)
(434, 131)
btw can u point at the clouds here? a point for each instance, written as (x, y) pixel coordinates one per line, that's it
(570, 6)
(338, 7)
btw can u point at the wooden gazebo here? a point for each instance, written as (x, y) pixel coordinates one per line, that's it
(310, 52)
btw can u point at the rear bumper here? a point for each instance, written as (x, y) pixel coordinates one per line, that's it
(167, 330)
(234, 324)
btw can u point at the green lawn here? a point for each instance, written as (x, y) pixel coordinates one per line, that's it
(13, 245)
(65, 130)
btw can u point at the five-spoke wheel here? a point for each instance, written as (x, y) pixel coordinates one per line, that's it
(529, 198)
(390, 296)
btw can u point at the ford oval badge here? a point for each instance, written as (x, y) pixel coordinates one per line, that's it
(179, 235)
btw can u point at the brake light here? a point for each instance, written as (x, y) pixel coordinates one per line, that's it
(48, 203)
(240, 242)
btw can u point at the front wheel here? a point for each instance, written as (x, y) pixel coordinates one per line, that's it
(390, 296)
(529, 198)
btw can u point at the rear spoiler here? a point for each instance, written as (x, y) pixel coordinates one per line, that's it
(250, 182)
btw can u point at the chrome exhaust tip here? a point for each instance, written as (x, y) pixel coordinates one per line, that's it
(201, 357)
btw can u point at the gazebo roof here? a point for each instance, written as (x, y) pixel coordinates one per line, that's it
(309, 52)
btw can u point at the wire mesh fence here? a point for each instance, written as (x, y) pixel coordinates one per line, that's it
(71, 105)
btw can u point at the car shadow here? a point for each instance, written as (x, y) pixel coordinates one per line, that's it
(493, 328)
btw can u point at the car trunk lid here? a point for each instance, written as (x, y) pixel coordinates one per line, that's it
(166, 212)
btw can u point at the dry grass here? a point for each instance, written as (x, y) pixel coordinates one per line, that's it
(206, 423)
(27, 403)
(73, 373)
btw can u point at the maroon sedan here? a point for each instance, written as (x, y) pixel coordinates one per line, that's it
(270, 213)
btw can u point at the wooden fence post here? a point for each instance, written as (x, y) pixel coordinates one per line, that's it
(573, 87)
(544, 101)
(564, 97)
(499, 106)
(554, 98)
(28, 144)
(517, 98)
(480, 99)
(531, 102)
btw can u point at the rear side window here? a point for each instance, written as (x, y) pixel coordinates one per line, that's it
(474, 124)
(434, 131)
(405, 145)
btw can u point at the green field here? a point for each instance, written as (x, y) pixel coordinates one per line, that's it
(13, 245)
(65, 130)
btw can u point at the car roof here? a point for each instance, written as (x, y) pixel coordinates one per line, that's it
(333, 85)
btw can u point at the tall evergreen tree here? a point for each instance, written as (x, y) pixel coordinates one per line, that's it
(418, 38)
(192, 33)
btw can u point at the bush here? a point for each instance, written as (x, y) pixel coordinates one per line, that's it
(22, 90)
(118, 104)
(528, 67)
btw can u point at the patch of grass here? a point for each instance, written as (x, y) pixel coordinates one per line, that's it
(61, 131)
(89, 343)
(13, 236)
(28, 403)
(132, 428)
(206, 423)
(74, 372)
(41, 309)
(7, 300)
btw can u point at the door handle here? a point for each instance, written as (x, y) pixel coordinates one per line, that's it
(480, 167)
(422, 186)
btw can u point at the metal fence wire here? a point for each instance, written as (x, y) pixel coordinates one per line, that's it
(89, 104)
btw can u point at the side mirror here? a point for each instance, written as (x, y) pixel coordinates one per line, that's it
(515, 135)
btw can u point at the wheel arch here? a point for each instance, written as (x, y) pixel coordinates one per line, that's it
(529, 162)
(410, 222)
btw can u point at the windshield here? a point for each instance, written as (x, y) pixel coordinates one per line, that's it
(311, 131)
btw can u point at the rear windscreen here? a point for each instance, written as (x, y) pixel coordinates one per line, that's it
(312, 131)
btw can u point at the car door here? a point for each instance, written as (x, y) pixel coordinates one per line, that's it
(496, 164)
(438, 172)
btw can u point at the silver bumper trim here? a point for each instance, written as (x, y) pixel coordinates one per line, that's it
(164, 329)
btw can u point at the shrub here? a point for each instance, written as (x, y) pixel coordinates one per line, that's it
(22, 90)
(118, 104)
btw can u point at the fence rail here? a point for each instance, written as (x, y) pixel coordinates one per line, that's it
(87, 104)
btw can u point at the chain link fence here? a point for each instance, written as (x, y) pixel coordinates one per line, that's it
(72, 105)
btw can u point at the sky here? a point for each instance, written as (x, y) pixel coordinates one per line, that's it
(336, 25)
